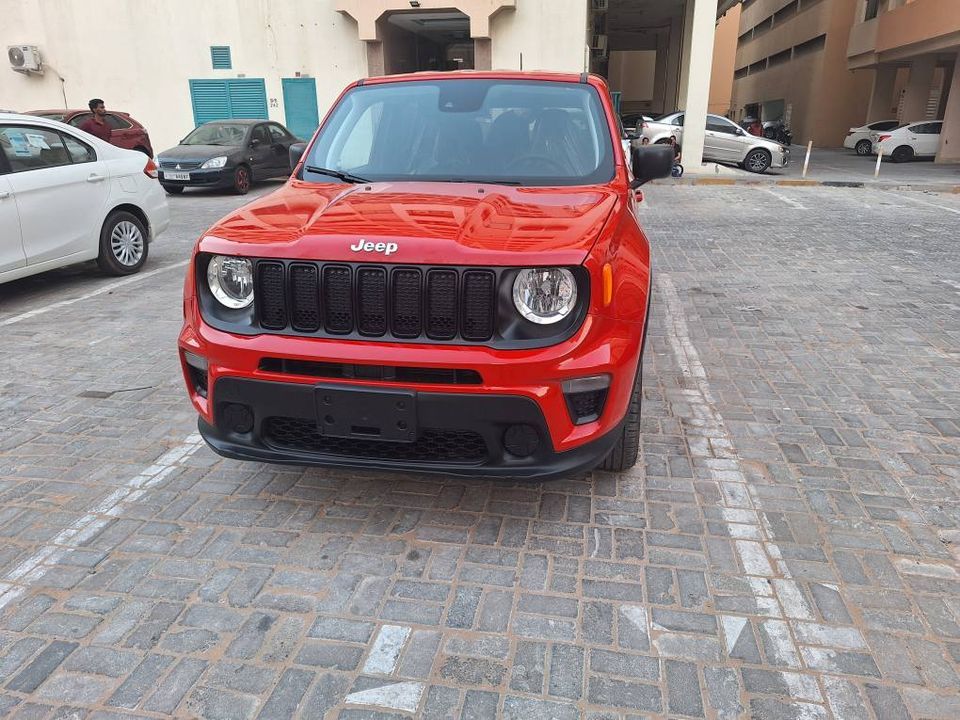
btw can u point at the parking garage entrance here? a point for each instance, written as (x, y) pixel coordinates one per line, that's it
(417, 41)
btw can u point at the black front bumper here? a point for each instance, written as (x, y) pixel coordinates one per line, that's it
(215, 178)
(459, 434)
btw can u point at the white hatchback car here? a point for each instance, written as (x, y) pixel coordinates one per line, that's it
(67, 197)
(861, 138)
(911, 141)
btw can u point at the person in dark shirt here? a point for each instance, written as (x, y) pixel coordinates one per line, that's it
(97, 125)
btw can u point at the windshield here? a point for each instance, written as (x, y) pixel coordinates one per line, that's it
(216, 134)
(498, 131)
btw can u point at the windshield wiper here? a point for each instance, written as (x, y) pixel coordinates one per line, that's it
(484, 182)
(345, 176)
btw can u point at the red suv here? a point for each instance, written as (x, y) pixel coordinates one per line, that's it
(127, 132)
(453, 280)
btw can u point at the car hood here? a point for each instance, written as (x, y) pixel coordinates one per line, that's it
(197, 152)
(422, 223)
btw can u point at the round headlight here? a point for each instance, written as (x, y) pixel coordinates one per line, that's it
(231, 280)
(545, 295)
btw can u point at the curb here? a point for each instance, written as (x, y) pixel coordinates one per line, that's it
(864, 184)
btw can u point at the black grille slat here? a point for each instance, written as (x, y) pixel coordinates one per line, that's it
(305, 298)
(337, 299)
(407, 301)
(442, 304)
(271, 295)
(372, 301)
(478, 303)
(433, 445)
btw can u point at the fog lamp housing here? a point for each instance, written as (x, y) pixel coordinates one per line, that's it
(197, 368)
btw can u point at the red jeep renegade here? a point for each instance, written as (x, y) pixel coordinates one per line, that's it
(453, 280)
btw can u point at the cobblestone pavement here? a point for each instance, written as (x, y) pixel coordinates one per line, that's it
(788, 546)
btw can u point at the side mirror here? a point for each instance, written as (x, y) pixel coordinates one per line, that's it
(650, 162)
(297, 150)
(255, 142)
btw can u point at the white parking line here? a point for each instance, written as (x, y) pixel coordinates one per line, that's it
(908, 198)
(93, 293)
(784, 198)
(16, 582)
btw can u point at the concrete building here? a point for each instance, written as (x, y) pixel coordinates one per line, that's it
(910, 50)
(791, 63)
(173, 64)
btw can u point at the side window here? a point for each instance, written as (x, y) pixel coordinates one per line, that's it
(32, 148)
(719, 124)
(79, 151)
(78, 120)
(936, 128)
(926, 129)
(117, 123)
(277, 134)
(679, 120)
(886, 125)
(260, 133)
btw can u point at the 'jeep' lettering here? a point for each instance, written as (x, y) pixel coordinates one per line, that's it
(380, 247)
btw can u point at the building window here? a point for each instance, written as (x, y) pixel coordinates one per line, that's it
(873, 7)
(779, 58)
(784, 13)
(810, 46)
(741, 72)
(220, 57)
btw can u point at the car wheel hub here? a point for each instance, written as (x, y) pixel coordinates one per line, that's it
(126, 242)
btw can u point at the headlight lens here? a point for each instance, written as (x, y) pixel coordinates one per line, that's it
(545, 295)
(231, 281)
(217, 162)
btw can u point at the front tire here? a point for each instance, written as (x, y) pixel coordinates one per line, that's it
(624, 454)
(241, 180)
(758, 161)
(864, 147)
(123, 244)
(904, 153)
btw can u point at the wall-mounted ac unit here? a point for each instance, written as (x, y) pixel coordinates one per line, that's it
(24, 58)
(601, 5)
(598, 42)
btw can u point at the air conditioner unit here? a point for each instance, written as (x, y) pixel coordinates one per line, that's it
(599, 42)
(25, 58)
(601, 5)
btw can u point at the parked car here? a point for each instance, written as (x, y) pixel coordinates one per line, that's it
(861, 138)
(633, 122)
(127, 132)
(724, 142)
(227, 154)
(453, 280)
(67, 197)
(910, 141)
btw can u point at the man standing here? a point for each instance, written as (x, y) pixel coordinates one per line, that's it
(97, 125)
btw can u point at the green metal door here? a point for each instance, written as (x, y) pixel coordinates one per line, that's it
(300, 106)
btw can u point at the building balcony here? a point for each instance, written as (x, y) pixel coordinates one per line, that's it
(916, 27)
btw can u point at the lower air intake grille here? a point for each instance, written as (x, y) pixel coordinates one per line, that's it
(449, 446)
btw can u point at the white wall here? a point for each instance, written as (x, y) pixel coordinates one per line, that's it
(139, 54)
(551, 34)
(632, 72)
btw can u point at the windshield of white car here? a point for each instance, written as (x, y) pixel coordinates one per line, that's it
(516, 132)
(217, 134)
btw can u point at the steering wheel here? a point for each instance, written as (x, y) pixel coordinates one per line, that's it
(532, 160)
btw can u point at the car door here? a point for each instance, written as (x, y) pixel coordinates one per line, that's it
(123, 133)
(261, 152)
(676, 128)
(11, 242)
(280, 140)
(928, 138)
(723, 139)
(61, 189)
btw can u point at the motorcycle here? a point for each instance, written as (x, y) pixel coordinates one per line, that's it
(777, 131)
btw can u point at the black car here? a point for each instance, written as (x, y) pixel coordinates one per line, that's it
(227, 154)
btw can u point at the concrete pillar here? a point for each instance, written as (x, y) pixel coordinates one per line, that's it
(685, 46)
(376, 61)
(918, 89)
(482, 54)
(697, 97)
(884, 78)
(950, 136)
(660, 74)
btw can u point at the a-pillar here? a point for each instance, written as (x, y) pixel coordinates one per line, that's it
(917, 94)
(884, 80)
(950, 135)
(697, 97)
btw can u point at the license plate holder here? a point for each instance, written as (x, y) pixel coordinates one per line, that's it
(365, 414)
(183, 176)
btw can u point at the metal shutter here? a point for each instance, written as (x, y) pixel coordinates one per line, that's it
(248, 98)
(300, 106)
(220, 57)
(226, 99)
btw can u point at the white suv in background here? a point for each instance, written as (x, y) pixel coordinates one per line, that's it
(861, 138)
(911, 141)
(67, 197)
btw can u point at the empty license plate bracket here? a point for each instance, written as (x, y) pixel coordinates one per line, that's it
(365, 414)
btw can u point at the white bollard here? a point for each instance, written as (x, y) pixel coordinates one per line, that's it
(806, 161)
(876, 172)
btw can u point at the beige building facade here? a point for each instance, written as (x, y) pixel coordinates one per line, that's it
(791, 64)
(910, 50)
